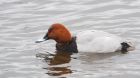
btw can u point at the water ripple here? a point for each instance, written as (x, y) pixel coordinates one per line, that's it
(23, 21)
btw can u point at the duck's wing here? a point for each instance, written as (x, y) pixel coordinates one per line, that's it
(97, 41)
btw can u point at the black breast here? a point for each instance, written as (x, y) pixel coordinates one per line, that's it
(68, 47)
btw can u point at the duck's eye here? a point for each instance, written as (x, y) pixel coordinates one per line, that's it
(50, 29)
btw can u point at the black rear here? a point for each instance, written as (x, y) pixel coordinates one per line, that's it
(124, 48)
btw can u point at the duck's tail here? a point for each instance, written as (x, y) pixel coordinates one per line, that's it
(128, 45)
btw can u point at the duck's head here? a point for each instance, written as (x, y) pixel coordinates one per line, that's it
(57, 32)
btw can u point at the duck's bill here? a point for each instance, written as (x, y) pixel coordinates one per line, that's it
(40, 40)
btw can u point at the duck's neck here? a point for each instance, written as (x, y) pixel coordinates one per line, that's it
(68, 47)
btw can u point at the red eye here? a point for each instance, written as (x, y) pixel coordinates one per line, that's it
(50, 29)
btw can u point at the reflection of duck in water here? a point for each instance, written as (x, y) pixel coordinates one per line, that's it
(86, 41)
(59, 58)
(56, 63)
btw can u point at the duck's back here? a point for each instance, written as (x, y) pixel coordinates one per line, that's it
(97, 41)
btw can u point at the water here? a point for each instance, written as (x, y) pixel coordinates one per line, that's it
(24, 21)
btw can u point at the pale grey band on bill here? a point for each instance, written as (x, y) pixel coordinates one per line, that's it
(40, 40)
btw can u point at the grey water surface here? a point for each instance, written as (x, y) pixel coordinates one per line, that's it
(22, 22)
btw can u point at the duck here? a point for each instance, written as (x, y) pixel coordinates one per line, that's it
(86, 41)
